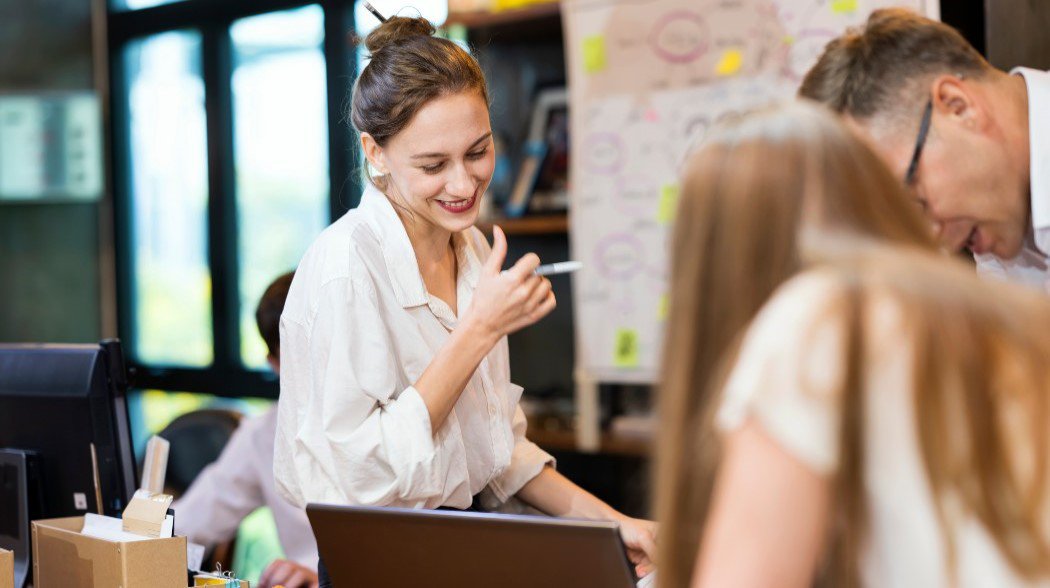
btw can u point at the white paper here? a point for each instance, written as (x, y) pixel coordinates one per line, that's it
(194, 556)
(167, 527)
(112, 528)
(108, 528)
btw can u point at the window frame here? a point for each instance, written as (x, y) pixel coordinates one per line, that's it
(227, 376)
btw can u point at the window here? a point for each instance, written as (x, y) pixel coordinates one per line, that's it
(137, 4)
(436, 11)
(168, 200)
(280, 152)
(230, 157)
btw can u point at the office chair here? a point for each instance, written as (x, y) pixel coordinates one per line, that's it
(197, 438)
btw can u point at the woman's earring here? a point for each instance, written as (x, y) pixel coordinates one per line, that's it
(375, 171)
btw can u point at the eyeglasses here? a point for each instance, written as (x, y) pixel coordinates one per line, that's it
(920, 142)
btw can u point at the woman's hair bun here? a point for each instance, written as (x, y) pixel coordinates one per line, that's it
(397, 29)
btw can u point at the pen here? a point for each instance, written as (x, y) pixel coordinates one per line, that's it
(374, 12)
(563, 267)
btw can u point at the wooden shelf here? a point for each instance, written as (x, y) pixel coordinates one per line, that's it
(624, 445)
(565, 440)
(555, 224)
(486, 19)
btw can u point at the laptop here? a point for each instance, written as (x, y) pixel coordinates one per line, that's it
(394, 547)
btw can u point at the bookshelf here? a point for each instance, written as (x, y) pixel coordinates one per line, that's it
(529, 225)
(487, 20)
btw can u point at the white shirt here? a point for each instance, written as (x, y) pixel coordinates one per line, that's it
(358, 329)
(785, 378)
(1032, 264)
(236, 484)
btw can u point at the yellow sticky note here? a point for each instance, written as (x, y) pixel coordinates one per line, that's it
(626, 352)
(668, 203)
(843, 6)
(594, 54)
(730, 63)
(665, 308)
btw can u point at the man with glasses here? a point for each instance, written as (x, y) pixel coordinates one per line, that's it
(963, 135)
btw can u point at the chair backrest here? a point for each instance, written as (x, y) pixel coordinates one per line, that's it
(197, 438)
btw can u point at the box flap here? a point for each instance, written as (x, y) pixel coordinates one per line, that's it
(73, 524)
(145, 513)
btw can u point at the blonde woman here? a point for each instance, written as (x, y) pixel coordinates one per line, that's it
(839, 400)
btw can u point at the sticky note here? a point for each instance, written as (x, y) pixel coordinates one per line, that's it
(843, 6)
(626, 352)
(594, 54)
(730, 62)
(668, 203)
(665, 307)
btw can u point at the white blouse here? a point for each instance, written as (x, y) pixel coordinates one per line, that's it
(784, 379)
(358, 329)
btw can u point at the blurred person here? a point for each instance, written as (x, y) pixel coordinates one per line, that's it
(971, 141)
(395, 388)
(840, 402)
(241, 480)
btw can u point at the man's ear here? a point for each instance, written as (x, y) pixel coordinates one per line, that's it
(374, 153)
(956, 99)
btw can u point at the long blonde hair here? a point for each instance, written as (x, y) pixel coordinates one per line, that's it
(981, 380)
(760, 200)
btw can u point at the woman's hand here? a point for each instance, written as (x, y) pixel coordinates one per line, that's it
(503, 303)
(639, 536)
(507, 301)
(282, 572)
(553, 493)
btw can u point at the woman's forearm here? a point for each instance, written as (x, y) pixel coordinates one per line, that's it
(553, 494)
(450, 370)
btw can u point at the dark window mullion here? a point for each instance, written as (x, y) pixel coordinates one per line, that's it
(230, 384)
(120, 172)
(129, 24)
(341, 70)
(217, 67)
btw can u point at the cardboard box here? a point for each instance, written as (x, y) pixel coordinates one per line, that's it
(64, 558)
(7, 569)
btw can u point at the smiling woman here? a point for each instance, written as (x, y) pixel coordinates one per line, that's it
(440, 165)
(395, 377)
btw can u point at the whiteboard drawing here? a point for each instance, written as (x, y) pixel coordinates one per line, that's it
(647, 79)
